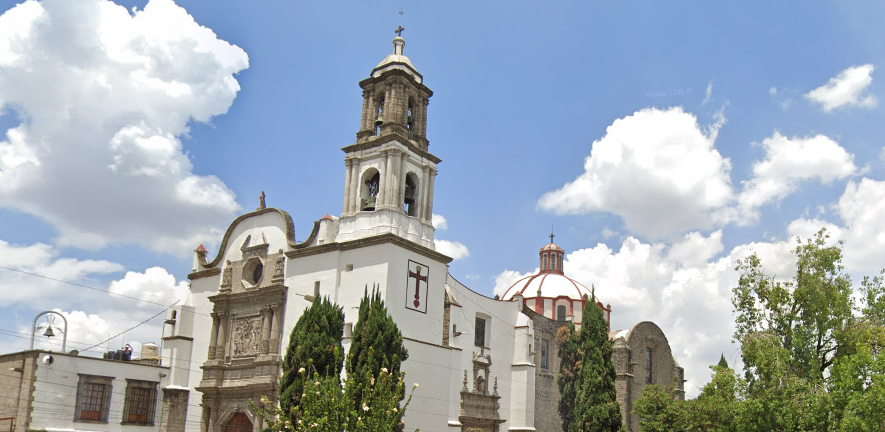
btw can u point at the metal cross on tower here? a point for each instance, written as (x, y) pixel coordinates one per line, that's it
(399, 31)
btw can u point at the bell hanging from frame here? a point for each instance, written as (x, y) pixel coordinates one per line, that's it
(379, 120)
(49, 332)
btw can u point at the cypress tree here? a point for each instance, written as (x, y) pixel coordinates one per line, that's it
(595, 406)
(315, 344)
(722, 363)
(569, 366)
(377, 343)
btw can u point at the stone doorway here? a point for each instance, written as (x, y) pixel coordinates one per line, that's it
(238, 423)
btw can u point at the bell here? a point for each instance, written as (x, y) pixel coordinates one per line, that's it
(49, 332)
(370, 204)
(379, 119)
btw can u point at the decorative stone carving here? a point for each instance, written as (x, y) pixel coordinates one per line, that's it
(274, 347)
(278, 268)
(246, 337)
(265, 346)
(227, 275)
(211, 352)
(479, 409)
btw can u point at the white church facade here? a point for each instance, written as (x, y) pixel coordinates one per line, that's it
(483, 364)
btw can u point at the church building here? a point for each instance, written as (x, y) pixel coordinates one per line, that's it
(483, 364)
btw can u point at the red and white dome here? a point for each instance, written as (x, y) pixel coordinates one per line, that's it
(550, 292)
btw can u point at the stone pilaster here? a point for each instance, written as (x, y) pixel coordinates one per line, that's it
(174, 412)
(345, 207)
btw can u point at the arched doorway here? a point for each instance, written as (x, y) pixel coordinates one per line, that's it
(238, 423)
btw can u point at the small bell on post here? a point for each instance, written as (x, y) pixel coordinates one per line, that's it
(49, 332)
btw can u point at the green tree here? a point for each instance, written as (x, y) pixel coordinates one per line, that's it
(569, 365)
(377, 344)
(314, 344)
(595, 407)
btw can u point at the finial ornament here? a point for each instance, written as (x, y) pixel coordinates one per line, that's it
(261, 204)
(399, 31)
(551, 236)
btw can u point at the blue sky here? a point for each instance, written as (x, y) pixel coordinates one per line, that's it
(709, 137)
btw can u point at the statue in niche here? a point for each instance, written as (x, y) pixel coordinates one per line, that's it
(226, 276)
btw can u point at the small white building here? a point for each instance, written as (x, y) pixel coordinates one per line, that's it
(483, 364)
(53, 391)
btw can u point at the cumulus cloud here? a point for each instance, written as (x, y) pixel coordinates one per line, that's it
(862, 208)
(439, 222)
(44, 260)
(155, 285)
(453, 249)
(506, 279)
(848, 88)
(656, 169)
(787, 163)
(104, 97)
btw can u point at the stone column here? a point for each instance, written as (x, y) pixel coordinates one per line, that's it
(396, 173)
(390, 182)
(422, 193)
(423, 109)
(265, 330)
(348, 163)
(213, 336)
(365, 113)
(276, 329)
(355, 186)
(221, 340)
(430, 180)
(382, 181)
(174, 413)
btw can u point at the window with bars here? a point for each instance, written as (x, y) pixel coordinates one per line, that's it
(141, 402)
(545, 349)
(479, 332)
(93, 398)
(648, 365)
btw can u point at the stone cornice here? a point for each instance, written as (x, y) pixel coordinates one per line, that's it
(384, 139)
(370, 241)
(393, 73)
(204, 273)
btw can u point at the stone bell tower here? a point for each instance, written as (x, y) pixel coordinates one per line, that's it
(388, 186)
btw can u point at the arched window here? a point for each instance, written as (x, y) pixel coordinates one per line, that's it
(410, 197)
(379, 117)
(560, 313)
(553, 262)
(560, 263)
(369, 190)
(544, 263)
(409, 119)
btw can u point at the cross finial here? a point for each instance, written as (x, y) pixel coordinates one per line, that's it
(399, 31)
(551, 237)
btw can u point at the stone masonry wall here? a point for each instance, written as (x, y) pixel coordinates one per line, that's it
(174, 410)
(17, 380)
(546, 389)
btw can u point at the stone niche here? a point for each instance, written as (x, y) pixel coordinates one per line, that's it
(479, 408)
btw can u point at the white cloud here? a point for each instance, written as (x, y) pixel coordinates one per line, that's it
(439, 222)
(506, 279)
(44, 260)
(657, 169)
(696, 249)
(862, 208)
(452, 249)
(155, 285)
(607, 233)
(772, 91)
(846, 89)
(789, 161)
(709, 95)
(106, 97)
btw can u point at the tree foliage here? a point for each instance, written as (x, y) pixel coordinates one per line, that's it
(589, 355)
(377, 344)
(813, 358)
(570, 362)
(316, 338)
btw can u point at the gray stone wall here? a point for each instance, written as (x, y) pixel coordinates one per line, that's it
(546, 389)
(174, 410)
(17, 380)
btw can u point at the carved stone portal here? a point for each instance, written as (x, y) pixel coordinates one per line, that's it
(247, 336)
(479, 409)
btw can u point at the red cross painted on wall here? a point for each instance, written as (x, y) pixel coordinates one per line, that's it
(416, 286)
(418, 279)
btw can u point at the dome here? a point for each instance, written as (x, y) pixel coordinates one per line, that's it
(550, 292)
(397, 60)
(551, 285)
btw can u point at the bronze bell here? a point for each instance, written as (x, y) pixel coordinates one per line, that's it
(379, 119)
(49, 332)
(370, 203)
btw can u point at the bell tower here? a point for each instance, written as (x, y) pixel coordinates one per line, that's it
(389, 173)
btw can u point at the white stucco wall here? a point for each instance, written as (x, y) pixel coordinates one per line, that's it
(55, 392)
